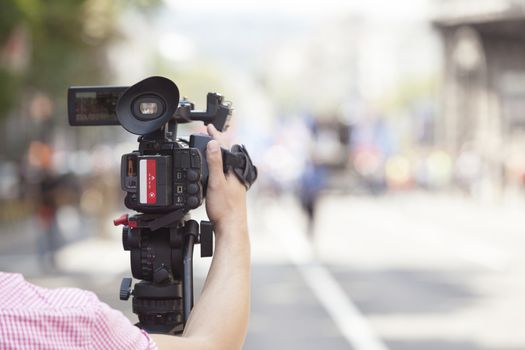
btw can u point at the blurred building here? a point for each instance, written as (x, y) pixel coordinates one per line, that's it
(484, 85)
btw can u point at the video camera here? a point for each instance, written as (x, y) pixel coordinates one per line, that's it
(164, 179)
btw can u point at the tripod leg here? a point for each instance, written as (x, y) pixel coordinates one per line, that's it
(191, 230)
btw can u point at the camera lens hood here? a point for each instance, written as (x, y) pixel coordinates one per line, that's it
(159, 89)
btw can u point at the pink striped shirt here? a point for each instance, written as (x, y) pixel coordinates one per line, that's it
(32, 317)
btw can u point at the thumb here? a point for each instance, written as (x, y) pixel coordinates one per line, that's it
(214, 157)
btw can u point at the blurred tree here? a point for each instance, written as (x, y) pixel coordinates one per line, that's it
(47, 45)
(10, 16)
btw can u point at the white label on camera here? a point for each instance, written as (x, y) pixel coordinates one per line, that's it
(143, 188)
(148, 181)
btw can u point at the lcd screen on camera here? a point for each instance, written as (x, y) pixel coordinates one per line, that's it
(93, 105)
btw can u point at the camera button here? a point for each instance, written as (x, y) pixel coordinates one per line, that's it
(192, 175)
(193, 188)
(193, 202)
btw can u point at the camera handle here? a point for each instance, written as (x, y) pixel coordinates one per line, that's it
(218, 112)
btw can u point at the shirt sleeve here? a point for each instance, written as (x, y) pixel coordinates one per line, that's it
(112, 330)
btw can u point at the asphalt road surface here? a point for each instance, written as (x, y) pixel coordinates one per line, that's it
(401, 272)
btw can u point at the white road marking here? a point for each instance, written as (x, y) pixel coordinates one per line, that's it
(345, 314)
(352, 324)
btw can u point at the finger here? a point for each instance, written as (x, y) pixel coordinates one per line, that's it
(213, 132)
(216, 134)
(214, 157)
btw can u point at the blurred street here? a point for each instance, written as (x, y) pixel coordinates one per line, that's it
(389, 140)
(422, 272)
(427, 272)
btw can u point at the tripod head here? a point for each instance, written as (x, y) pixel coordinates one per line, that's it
(164, 179)
(162, 259)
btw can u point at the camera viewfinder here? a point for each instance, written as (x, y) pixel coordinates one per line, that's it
(148, 108)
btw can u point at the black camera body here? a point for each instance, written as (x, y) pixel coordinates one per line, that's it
(164, 177)
(165, 173)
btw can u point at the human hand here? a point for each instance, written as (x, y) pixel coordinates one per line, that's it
(226, 196)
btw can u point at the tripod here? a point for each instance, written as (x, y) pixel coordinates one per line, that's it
(163, 260)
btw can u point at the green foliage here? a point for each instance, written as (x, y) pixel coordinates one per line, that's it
(10, 15)
(8, 89)
(46, 46)
(66, 41)
(53, 39)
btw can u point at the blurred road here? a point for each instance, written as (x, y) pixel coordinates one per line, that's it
(426, 271)
(400, 272)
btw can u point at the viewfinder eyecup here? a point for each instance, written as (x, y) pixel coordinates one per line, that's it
(148, 105)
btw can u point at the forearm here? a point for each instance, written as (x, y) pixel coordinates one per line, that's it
(220, 316)
(219, 319)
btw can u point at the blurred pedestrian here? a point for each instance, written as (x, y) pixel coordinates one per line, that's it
(312, 182)
(47, 183)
